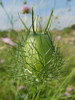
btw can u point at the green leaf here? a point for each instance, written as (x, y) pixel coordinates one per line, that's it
(49, 20)
(33, 20)
(23, 23)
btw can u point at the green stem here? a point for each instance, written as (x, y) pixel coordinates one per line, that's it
(23, 23)
(33, 21)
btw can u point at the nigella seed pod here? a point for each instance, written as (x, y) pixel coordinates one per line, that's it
(40, 55)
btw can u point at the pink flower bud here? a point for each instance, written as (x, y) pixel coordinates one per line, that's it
(25, 10)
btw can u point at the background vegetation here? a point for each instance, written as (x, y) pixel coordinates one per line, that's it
(15, 84)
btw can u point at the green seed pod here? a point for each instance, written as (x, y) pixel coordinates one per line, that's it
(41, 56)
(38, 51)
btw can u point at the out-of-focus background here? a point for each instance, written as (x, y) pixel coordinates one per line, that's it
(11, 29)
(64, 12)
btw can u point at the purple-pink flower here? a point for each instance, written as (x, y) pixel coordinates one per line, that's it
(8, 41)
(25, 10)
(69, 88)
(67, 94)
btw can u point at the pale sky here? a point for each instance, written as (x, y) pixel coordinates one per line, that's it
(66, 17)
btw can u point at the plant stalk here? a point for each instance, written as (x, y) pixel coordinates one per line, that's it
(33, 21)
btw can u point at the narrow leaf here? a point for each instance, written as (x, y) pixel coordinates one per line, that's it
(33, 20)
(23, 22)
(48, 21)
